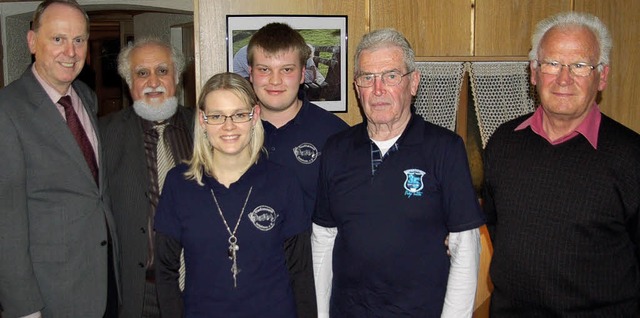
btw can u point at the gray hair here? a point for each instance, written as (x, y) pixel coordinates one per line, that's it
(571, 19)
(124, 58)
(385, 38)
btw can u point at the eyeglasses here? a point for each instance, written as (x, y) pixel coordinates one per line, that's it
(219, 119)
(577, 69)
(389, 78)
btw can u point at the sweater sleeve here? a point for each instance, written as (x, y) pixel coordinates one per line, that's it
(488, 205)
(167, 265)
(298, 256)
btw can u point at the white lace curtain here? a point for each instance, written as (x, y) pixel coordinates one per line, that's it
(501, 91)
(439, 92)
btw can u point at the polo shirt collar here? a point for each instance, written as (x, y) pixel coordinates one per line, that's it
(411, 134)
(299, 118)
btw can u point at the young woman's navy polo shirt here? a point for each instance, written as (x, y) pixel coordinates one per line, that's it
(274, 213)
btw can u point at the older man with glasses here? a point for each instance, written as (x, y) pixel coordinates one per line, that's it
(562, 187)
(390, 191)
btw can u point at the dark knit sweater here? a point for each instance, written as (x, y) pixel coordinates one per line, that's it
(564, 223)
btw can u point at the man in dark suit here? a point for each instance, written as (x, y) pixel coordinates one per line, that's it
(134, 157)
(57, 238)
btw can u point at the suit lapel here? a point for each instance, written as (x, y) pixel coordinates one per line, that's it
(57, 127)
(135, 146)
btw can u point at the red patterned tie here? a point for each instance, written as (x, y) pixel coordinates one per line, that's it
(79, 134)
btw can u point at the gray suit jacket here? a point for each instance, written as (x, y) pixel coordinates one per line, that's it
(126, 166)
(53, 232)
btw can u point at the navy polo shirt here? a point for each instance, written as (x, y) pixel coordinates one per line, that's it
(389, 258)
(297, 145)
(274, 213)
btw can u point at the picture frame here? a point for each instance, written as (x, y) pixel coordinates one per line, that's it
(326, 70)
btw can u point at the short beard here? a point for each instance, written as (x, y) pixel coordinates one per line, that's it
(157, 112)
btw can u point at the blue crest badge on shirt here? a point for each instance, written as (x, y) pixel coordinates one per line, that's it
(306, 153)
(413, 184)
(263, 217)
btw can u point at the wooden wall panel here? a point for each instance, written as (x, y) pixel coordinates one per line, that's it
(503, 27)
(620, 98)
(433, 27)
(211, 19)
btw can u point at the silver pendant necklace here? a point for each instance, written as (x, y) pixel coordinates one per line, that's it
(233, 241)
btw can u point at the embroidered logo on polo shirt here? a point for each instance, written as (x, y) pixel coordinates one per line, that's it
(413, 183)
(263, 217)
(306, 153)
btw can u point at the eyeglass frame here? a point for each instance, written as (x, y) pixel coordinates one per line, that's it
(381, 76)
(571, 67)
(224, 121)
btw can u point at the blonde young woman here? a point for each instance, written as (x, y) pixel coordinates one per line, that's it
(233, 212)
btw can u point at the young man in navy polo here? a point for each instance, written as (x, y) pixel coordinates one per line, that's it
(295, 129)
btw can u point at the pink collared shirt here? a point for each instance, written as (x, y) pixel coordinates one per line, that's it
(85, 120)
(588, 127)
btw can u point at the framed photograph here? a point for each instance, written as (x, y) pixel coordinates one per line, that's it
(326, 70)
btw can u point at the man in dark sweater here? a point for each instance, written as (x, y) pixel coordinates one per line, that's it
(562, 187)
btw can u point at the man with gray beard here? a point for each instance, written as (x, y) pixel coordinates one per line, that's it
(141, 143)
